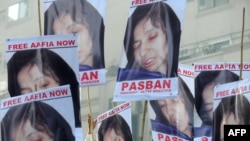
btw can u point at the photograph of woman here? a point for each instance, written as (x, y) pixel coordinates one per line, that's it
(174, 116)
(151, 43)
(114, 128)
(233, 110)
(80, 17)
(38, 69)
(34, 121)
(204, 85)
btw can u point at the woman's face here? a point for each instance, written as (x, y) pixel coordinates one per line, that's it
(231, 119)
(25, 132)
(31, 79)
(207, 105)
(150, 46)
(175, 112)
(65, 25)
(110, 135)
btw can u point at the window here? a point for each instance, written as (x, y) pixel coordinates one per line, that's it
(214, 47)
(184, 54)
(18, 11)
(208, 4)
(2, 16)
(203, 48)
(111, 104)
(217, 46)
